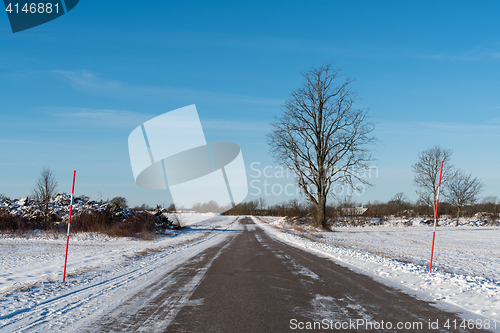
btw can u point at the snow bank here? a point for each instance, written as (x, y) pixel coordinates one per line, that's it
(195, 219)
(59, 206)
(466, 263)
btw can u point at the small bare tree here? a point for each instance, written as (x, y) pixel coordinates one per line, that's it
(171, 208)
(44, 190)
(321, 137)
(427, 171)
(400, 202)
(119, 202)
(262, 204)
(463, 190)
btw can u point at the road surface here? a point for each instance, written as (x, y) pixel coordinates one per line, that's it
(253, 283)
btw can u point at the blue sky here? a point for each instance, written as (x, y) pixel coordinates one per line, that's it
(73, 89)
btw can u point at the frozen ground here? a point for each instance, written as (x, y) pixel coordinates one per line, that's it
(98, 267)
(466, 264)
(38, 256)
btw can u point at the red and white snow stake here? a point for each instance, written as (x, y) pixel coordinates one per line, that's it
(435, 216)
(69, 225)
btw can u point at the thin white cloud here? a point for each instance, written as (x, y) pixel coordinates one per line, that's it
(236, 125)
(478, 52)
(103, 117)
(447, 57)
(86, 80)
(459, 126)
(424, 128)
(31, 143)
(89, 80)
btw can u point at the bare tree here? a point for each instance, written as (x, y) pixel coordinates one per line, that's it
(321, 137)
(490, 204)
(207, 207)
(119, 202)
(463, 190)
(427, 171)
(400, 201)
(262, 203)
(44, 190)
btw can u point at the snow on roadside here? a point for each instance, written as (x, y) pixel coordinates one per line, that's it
(472, 292)
(195, 219)
(39, 256)
(89, 293)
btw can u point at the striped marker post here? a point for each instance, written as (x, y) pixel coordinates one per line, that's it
(435, 216)
(69, 225)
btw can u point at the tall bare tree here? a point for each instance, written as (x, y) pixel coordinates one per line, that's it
(427, 171)
(463, 190)
(44, 190)
(321, 137)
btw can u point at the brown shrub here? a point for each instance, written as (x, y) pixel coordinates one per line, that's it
(9, 222)
(107, 222)
(93, 221)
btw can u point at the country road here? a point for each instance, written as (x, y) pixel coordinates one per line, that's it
(252, 283)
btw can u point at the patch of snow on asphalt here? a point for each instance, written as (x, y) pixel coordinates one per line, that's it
(467, 266)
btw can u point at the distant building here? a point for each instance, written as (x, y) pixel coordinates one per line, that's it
(357, 211)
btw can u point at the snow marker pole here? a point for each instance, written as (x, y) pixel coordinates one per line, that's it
(435, 216)
(69, 225)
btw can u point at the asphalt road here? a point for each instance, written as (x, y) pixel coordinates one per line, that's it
(253, 283)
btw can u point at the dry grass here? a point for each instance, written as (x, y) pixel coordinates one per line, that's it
(144, 252)
(308, 231)
(26, 286)
(80, 271)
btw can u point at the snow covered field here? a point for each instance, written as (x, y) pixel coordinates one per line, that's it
(39, 256)
(466, 264)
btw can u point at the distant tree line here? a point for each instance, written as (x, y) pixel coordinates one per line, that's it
(398, 206)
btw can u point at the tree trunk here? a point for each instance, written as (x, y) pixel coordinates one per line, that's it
(320, 212)
(458, 215)
(45, 216)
